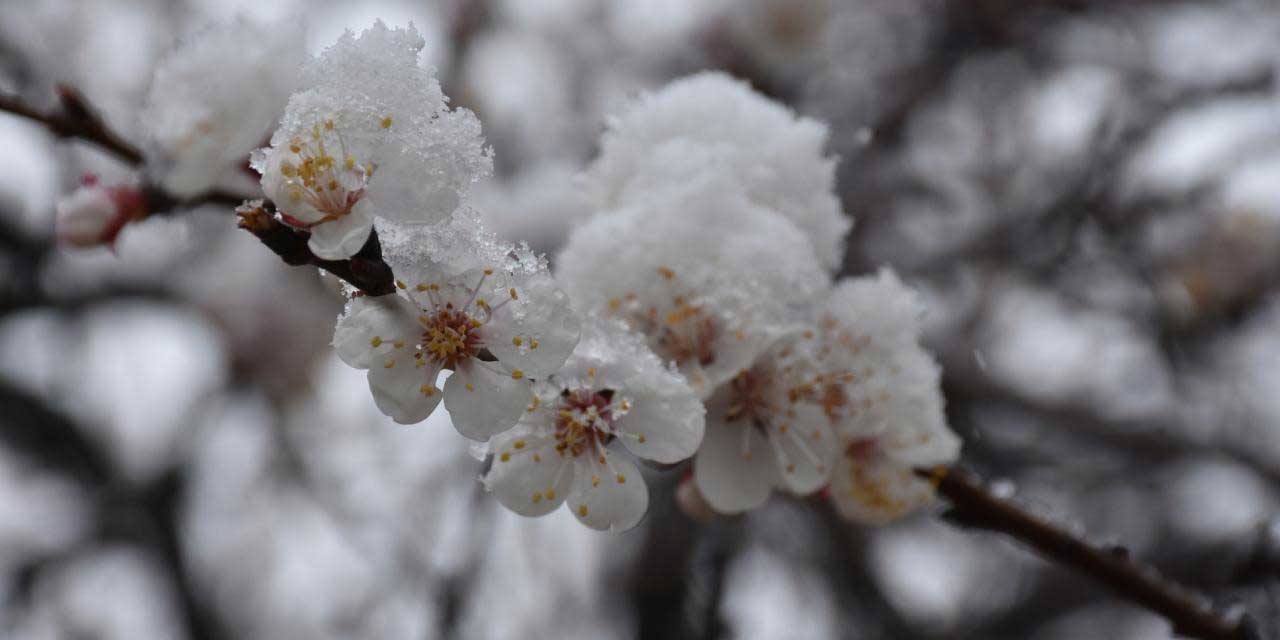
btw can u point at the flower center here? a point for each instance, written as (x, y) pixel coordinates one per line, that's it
(829, 391)
(749, 397)
(861, 449)
(681, 330)
(767, 395)
(449, 337)
(325, 176)
(585, 420)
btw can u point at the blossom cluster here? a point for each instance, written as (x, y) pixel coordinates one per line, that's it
(716, 237)
(694, 314)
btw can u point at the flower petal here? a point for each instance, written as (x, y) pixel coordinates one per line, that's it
(609, 497)
(342, 238)
(405, 392)
(528, 476)
(733, 481)
(536, 331)
(805, 451)
(670, 424)
(483, 402)
(372, 326)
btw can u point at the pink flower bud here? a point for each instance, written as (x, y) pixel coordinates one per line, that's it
(93, 214)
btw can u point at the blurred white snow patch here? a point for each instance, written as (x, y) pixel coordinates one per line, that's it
(139, 371)
(1121, 622)
(539, 205)
(28, 175)
(1035, 343)
(1200, 144)
(781, 36)
(401, 485)
(549, 15)
(113, 57)
(34, 346)
(548, 578)
(233, 447)
(1253, 189)
(40, 512)
(766, 598)
(941, 578)
(1069, 110)
(1238, 393)
(147, 252)
(114, 593)
(520, 85)
(327, 23)
(1215, 501)
(267, 541)
(257, 10)
(343, 409)
(267, 310)
(661, 27)
(1206, 46)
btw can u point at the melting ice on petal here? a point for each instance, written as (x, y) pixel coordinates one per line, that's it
(891, 422)
(368, 135)
(490, 314)
(611, 390)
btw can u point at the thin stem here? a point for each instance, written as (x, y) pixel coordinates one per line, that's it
(974, 505)
(75, 119)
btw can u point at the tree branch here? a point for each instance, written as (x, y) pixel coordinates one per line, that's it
(75, 118)
(974, 505)
(366, 270)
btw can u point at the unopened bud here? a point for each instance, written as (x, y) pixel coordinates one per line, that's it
(254, 216)
(93, 214)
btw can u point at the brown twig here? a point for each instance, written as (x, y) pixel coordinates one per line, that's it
(973, 505)
(75, 118)
(366, 270)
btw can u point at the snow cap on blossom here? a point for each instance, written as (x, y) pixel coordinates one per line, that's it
(488, 312)
(890, 420)
(769, 428)
(613, 390)
(712, 122)
(709, 277)
(215, 98)
(94, 214)
(369, 134)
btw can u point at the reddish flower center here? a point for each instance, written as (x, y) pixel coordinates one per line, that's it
(584, 421)
(450, 337)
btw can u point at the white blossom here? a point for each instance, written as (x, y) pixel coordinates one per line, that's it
(94, 214)
(710, 278)
(612, 389)
(770, 427)
(712, 122)
(892, 421)
(369, 135)
(215, 98)
(491, 314)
